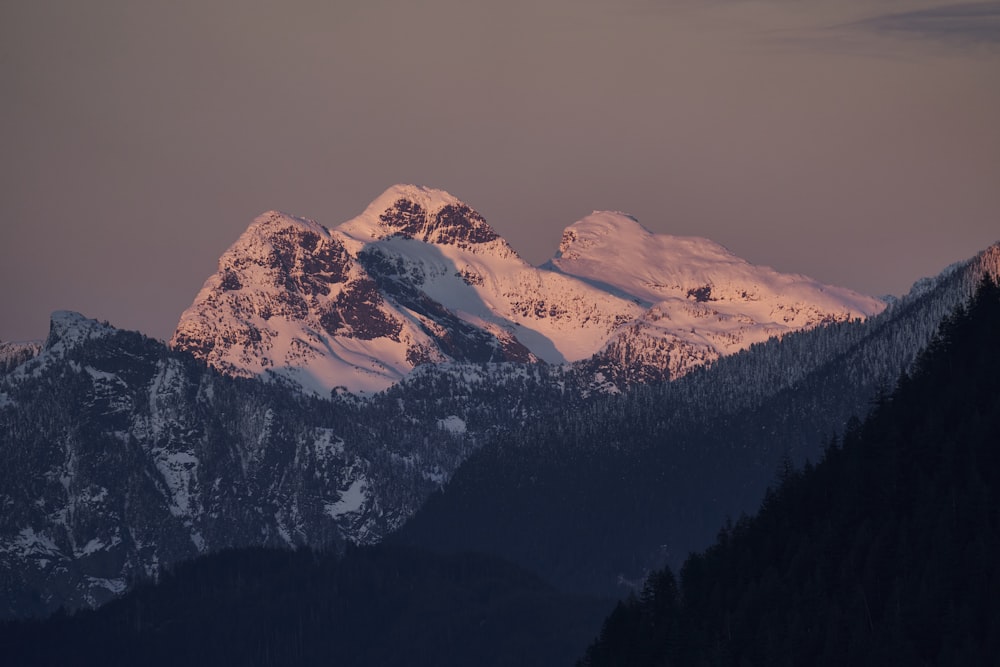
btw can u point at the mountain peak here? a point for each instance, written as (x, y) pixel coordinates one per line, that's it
(279, 242)
(615, 251)
(69, 328)
(430, 199)
(424, 214)
(271, 222)
(598, 228)
(616, 233)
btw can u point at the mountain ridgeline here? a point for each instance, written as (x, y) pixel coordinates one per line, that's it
(883, 553)
(421, 278)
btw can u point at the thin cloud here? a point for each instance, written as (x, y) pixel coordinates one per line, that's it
(973, 23)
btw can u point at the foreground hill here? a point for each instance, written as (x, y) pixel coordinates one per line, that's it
(376, 607)
(883, 553)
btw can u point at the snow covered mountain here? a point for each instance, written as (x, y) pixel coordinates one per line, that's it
(420, 277)
(701, 301)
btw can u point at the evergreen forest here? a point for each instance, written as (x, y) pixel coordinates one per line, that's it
(371, 607)
(884, 553)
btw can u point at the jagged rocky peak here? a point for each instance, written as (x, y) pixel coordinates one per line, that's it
(424, 214)
(300, 250)
(67, 331)
(290, 298)
(271, 222)
(68, 328)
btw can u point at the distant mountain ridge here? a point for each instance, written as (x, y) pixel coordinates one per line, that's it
(420, 277)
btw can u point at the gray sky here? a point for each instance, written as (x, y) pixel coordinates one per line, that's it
(855, 141)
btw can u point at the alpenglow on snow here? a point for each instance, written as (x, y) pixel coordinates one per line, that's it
(420, 277)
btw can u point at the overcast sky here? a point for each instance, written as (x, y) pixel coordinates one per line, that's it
(857, 142)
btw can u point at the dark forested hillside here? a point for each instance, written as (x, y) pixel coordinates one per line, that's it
(885, 552)
(375, 606)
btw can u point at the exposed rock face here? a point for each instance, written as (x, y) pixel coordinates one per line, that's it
(453, 224)
(286, 296)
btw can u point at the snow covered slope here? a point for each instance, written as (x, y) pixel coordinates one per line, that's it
(702, 301)
(289, 300)
(420, 277)
(429, 240)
